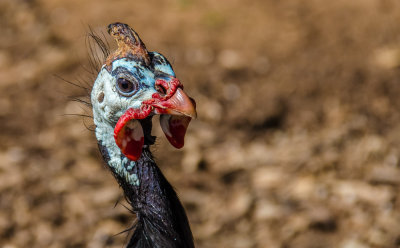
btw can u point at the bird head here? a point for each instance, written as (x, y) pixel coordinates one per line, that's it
(134, 84)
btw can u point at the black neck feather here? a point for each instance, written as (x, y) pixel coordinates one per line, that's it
(161, 218)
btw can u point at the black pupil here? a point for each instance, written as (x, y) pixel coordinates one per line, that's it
(125, 86)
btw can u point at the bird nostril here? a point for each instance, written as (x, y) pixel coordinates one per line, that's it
(161, 89)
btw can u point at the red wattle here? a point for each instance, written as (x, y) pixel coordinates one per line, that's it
(174, 128)
(130, 141)
(128, 133)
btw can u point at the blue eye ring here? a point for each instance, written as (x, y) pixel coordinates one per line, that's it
(127, 87)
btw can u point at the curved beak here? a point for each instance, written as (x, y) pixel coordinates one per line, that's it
(178, 104)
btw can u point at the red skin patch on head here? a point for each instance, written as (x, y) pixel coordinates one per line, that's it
(170, 86)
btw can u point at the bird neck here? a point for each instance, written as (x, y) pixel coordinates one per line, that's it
(161, 218)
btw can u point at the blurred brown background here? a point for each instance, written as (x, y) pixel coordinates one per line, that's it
(296, 145)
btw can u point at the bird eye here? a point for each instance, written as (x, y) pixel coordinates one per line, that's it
(126, 87)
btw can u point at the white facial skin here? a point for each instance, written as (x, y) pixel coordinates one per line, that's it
(108, 106)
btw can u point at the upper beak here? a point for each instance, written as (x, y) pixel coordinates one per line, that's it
(178, 104)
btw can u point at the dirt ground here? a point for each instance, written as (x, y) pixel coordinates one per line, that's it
(296, 144)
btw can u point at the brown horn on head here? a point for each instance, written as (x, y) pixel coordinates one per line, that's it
(129, 43)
